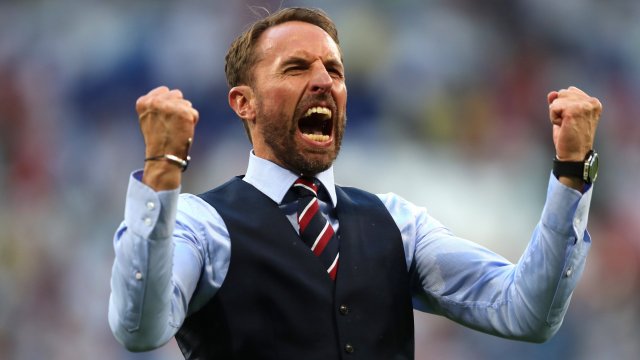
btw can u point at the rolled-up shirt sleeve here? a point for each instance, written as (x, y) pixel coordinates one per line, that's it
(480, 289)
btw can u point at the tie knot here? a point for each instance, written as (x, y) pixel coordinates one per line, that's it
(305, 186)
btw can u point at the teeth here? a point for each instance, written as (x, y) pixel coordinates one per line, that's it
(318, 110)
(317, 137)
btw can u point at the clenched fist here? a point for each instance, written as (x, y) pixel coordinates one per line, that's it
(575, 116)
(167, 121)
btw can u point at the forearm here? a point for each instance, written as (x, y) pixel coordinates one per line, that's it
(140, 302)
(550, 268)
(526, 301)
(539, 292)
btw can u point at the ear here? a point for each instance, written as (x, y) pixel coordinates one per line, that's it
(241, 100)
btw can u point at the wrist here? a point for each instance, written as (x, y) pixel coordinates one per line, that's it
(572, 182)
(178, 158)
(172, 159)
(161, 175)
(577, 173)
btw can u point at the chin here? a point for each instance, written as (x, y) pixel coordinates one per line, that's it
(313, 164)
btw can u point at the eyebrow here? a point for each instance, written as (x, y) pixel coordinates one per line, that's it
(297, 60)
(334, 63)
(294, 60)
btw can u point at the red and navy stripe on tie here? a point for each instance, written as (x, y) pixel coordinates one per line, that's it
(315, 229)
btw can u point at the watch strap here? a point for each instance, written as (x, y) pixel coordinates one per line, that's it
(573, 169)
(586, 170)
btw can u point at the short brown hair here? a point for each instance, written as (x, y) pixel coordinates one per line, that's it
(241, 54)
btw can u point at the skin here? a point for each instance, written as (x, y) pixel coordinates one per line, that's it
(167, 121)
(300, 66)
(574, 116)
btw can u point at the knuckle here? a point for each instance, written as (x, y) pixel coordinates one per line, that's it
(185, 113)
(177, 93)
(140, 103)
(585, 107)
(155, 103)
(143, 103)
(555, 106)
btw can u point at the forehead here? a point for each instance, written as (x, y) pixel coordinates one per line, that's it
(296, 38)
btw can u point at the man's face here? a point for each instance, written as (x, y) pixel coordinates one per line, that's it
(300, 96)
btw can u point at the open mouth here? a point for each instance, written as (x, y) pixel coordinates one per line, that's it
(316, 124)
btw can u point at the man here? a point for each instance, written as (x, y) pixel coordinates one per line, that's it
(284, 264)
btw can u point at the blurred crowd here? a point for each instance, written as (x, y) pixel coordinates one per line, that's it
(452, 93)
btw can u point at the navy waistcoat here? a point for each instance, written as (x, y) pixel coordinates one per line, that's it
(277, 301)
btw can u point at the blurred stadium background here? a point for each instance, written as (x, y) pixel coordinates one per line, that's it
(451, 92)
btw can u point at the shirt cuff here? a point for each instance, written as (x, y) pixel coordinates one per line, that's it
(566, 210)
(148, 213)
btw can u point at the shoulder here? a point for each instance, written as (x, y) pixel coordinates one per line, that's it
(200, 218)
(201, 225)
(409, 216)
(194, 205)
(396, 203)
(231, 185)
(353, 192)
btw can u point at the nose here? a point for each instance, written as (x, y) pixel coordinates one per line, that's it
(321, 81)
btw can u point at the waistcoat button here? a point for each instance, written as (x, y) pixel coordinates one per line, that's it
(344, 310)
(348, 348)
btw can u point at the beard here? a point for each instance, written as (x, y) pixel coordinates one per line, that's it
(280, 135)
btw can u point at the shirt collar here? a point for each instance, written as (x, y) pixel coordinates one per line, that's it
(274, 181)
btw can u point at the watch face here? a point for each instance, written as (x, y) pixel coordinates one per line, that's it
(593, 167)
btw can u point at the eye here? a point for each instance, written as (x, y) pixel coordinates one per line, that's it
(335, 73)
(295, 69)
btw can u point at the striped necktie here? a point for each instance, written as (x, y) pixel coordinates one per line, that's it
(315, 230)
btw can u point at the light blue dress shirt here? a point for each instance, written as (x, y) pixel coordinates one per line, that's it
(172, 255)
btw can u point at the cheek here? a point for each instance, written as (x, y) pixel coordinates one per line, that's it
(340, 94)
(279, 100)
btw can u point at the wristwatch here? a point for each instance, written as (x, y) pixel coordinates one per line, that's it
(586, 170)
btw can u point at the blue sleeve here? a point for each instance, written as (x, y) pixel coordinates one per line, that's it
(164, 251)
(474, 286)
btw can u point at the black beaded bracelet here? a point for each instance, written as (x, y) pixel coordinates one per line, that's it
(183, 163)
